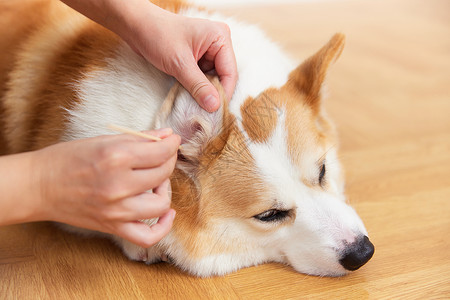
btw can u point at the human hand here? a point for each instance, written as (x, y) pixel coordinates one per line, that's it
(186, 48)
(101, 184)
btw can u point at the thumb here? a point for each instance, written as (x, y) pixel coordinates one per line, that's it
(196, 83)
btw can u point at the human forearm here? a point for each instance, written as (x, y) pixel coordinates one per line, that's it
(121, 17)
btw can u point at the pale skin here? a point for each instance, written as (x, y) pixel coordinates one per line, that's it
(102, 183)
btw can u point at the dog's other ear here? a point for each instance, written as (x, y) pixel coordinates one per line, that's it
(310, 75)
(196, 126)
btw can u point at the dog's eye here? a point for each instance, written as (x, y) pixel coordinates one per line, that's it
(272, 215)
(322, 174)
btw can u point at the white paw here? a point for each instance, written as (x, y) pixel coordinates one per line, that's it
(134, 252)
(149, 256)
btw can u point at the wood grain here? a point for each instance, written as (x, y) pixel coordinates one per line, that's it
(390, 97)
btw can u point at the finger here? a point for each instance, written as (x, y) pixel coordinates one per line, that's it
(164, 190)
(226, 68)
(143, 235)
(147, 205)
(220, 53)
(196, 83)
(145, 179)
(153, 154)
(133, 182)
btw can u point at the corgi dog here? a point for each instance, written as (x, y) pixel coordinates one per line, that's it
(256, 181)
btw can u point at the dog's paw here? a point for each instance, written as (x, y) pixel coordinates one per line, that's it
(133, 251)
(148, 255)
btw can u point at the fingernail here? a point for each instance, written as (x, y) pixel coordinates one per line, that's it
(210, 103)
(173, 214)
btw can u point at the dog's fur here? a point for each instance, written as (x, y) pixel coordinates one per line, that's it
(246, 186)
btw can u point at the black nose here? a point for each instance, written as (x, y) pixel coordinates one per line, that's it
(357, 254)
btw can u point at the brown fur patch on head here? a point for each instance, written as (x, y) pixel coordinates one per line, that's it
(233, 187)
(259, 117)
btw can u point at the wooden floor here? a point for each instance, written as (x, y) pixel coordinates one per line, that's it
(390, 97)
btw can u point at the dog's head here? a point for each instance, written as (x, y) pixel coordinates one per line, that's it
(263, 184)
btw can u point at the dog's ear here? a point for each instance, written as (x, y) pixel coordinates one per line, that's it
(310, 75)
(195, 126)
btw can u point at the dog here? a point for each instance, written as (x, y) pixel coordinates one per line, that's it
(257, 181)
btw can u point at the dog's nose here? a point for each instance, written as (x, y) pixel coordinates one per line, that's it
(357, 254)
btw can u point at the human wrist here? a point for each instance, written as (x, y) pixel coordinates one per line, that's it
(131, 20)
(38, 183)
(20, 202)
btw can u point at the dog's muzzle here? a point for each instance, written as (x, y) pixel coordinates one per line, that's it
(356, 254)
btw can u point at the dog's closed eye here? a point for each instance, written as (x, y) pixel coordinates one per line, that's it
(322, 174)
(273, 215)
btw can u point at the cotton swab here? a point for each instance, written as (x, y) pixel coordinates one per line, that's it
(133, 132)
